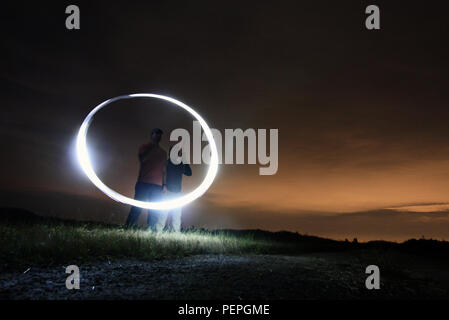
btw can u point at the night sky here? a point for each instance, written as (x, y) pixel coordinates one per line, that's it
(363, 116)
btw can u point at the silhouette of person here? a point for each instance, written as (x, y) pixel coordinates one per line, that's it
(149, 186)
(174, 188)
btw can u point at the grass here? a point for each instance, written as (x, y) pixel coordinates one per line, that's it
(48, 243)
(27, 239)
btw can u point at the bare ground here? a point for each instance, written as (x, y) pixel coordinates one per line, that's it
(311, 276)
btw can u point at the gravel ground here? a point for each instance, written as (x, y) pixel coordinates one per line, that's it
(317, 276)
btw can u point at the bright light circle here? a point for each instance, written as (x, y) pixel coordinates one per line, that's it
(83, 158)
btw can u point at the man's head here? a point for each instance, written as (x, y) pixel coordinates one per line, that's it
(156, 135)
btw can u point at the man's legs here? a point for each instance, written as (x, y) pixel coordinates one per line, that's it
(156, 218)
(176, 219)
(140, 194)
(159, 220)
(175, 214)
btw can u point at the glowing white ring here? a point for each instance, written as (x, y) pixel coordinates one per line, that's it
(83, 158)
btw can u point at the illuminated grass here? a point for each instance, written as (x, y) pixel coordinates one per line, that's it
(67, 243)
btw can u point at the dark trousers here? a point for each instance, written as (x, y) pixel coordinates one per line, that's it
(144, 192)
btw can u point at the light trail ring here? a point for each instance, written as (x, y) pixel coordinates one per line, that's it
(83, 158)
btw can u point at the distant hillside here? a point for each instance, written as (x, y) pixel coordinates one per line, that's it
(12, 215)
(18, 215)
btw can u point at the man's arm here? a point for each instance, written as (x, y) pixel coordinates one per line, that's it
(143, 152)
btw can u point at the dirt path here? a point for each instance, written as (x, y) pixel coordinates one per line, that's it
(327, 276)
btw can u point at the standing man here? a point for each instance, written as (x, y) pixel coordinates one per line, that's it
(174, 188)
(153, 162)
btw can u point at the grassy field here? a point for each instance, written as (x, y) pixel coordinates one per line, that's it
(27, 239)
(52, 243)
